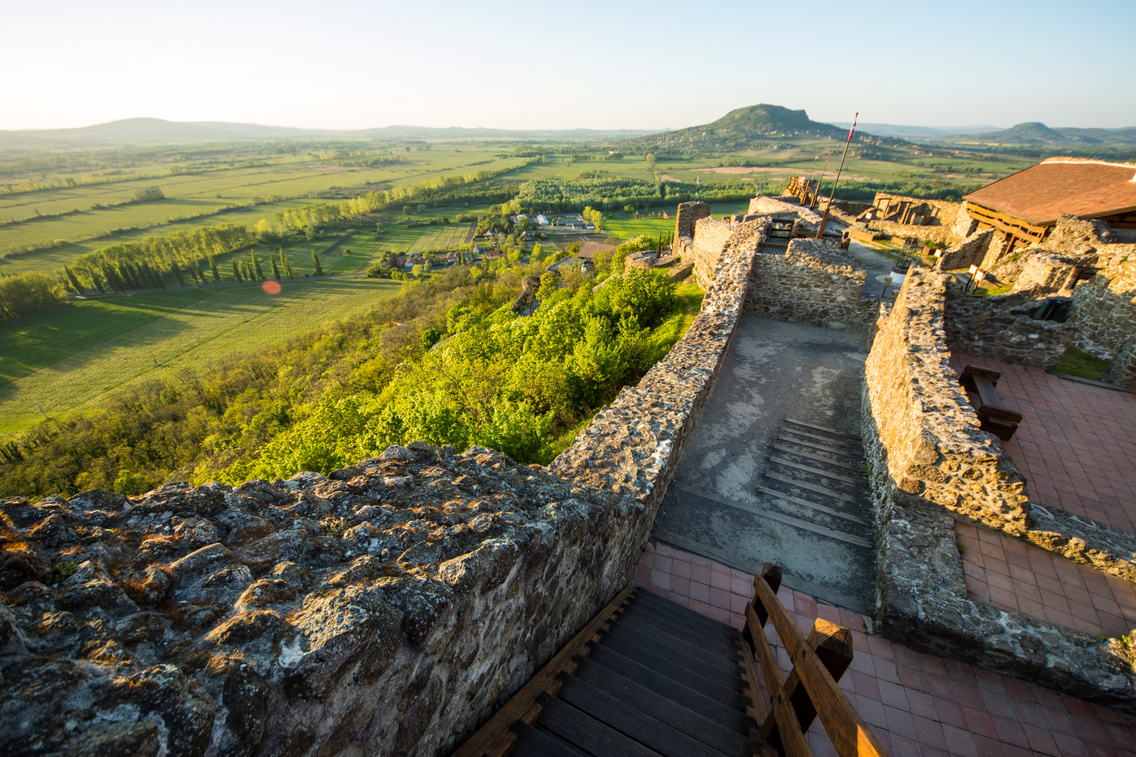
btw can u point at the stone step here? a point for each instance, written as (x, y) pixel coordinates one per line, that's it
(837, 448)
(812, 427)
(767, 513)
(817, 456)
(810, 490)
(815, 481)
(801, 511)
(813, 468)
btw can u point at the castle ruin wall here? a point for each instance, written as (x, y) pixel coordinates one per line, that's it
(812, 282)
(1000, 328)
(930, 464)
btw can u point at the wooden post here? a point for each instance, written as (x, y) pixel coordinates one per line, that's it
(772, 575)
(833, 645)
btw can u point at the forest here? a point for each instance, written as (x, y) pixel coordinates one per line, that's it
(443, 362)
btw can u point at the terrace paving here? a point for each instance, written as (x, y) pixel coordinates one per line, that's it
(1013, 575)
(916, 704)
(1076, 445)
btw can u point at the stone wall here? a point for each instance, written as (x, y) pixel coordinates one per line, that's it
(705, 250)
(1046, 273)
(811, 282)
(929, 465)
(383, 609)
(1000, 328)
(686, 215)
(633, 445)
(1104, 307)
(936, 451)
(970, 251)
(950, 225)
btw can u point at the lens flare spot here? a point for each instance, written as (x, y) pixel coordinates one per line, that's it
(272, 287)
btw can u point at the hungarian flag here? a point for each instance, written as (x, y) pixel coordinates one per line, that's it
(853, 127)
(666, 216)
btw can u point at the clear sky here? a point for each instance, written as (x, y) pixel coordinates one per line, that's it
(588, 64)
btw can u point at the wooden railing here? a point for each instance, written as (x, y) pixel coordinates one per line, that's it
(810, 689)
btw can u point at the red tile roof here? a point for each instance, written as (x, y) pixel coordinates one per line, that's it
(1041, 194)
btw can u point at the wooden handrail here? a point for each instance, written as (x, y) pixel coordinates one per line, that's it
(810, 689)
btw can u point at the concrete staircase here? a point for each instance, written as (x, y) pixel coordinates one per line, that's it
(809, 510)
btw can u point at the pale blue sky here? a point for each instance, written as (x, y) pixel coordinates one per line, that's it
(356, 64)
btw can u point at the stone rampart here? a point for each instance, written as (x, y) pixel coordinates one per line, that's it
(970, 251)
(711, 236)
(812, 282)
(936, 451)
(1104, 311)
(633, 445)
(381, 610)
(930, 464)
(1046, 273)
(950, 226)
(1001, 328)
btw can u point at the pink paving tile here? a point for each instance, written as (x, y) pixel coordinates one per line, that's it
(1076, 445)
(921, 704)
(1044, 585)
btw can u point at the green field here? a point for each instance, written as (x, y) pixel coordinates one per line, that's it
(625, 227)
(193, 195)
(69, 358)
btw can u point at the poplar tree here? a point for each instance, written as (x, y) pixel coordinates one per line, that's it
(256, 266)
(316, 263)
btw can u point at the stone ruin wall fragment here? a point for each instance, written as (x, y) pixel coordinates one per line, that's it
(813, 282)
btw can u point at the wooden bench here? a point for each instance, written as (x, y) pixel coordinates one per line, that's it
(993, 415)
(649, 677)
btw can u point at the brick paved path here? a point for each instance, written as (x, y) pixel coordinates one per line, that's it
(917, 704)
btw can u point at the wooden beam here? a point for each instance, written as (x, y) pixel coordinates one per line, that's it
(844, 726)
(833, 645)
(1015, 227)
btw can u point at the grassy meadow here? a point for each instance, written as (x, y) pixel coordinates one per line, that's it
(273, 189)
(66, 359)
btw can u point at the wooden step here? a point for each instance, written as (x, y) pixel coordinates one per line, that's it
(724, 640)
(648, 651)
(533, 742)
(587, 733)
(722, 648)
(728, 710)
(707, 730)
(685, 652)
(624, 716)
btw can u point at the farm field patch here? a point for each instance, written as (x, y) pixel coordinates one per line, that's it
(71, 357)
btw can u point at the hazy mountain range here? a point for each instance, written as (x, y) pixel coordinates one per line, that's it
(737, 130)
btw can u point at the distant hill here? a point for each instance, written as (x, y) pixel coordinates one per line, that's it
(1036, 133)
(916, 133)
(158, 131)
(741, 128)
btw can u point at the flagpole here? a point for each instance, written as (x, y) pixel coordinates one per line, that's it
(828, 208)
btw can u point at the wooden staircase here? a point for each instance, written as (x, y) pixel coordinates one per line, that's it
(649, 677)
